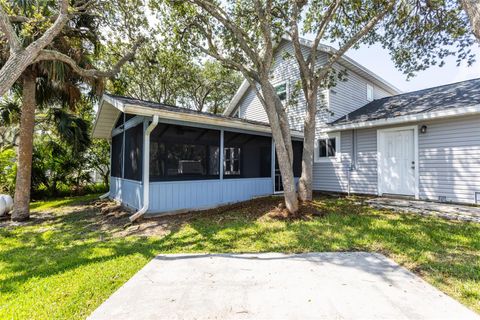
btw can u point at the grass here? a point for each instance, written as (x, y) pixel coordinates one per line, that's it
(64, 266)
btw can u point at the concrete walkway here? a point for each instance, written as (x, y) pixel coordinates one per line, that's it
(448, 211)
(277, 286)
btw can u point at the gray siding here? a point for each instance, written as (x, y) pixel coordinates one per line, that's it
(449, 156)
(285, 69)
(350, 95)
(344, 98)
(333, 175)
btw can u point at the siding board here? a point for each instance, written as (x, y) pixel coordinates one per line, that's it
(449, 155)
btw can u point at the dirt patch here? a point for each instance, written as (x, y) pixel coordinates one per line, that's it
(306, 210)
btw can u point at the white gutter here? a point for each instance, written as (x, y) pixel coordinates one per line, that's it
(146, 170)
(203, 119)
(454, 112)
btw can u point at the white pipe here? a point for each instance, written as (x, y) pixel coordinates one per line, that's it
(146, 170)
(103, 196)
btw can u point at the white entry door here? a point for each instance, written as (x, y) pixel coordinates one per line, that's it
(396, 162)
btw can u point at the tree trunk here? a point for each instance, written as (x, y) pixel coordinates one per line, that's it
(283, 144)
(472, 7)
(306, 180)
(21, 209)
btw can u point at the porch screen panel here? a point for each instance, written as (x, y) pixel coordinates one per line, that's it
(297, 157)
(134, 152)
(247, 156)
(117, 156)
(120, 120)
(184, 153)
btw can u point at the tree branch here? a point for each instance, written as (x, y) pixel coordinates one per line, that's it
(321, 31)
(7, 29)
(221, 16)
(353, 40)
(472, 8)
(50, 55)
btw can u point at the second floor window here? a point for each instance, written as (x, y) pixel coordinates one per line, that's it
(281, 90)
(369, 92)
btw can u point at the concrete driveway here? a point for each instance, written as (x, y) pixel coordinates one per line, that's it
(278, 286)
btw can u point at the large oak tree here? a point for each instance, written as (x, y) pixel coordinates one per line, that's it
(40, 42)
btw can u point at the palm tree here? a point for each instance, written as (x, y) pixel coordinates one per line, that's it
(49, 83)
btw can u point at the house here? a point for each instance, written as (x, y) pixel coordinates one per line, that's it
(370, 139)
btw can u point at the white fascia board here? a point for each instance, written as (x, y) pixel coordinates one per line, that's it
(106, 99)
(100, 105)
(236, 98)
(203, 119)
(408, 118)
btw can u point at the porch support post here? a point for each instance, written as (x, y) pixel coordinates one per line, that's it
(221, 153)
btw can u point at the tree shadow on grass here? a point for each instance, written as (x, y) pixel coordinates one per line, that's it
(68, 241)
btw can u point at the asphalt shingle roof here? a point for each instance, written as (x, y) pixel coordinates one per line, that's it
(450, 96)
(167, 107)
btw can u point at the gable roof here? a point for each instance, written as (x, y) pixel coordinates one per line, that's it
(344, 61)
(111, 106)
(444, 101)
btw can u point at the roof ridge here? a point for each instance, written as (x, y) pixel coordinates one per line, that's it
(429, 88)
(143, 100)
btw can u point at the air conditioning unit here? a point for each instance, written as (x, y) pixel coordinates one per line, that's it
(477, 197)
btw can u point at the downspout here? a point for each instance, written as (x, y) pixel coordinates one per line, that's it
(146, 170)
(353, 160)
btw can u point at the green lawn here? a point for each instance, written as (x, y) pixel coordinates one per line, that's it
(65, 266)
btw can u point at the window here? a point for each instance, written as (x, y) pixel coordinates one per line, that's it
(184, 153)
(232, 161)
(369, 93)
(246, 156)
(327, 147)
(281, 90)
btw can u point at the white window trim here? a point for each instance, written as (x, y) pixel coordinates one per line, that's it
(369, 86)
(338, 144)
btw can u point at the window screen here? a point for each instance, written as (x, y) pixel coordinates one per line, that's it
(247, 156)
(117, 155)
(120, 119)
(184, 153)
(134, 152)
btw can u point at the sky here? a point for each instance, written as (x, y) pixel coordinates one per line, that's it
(377, 59)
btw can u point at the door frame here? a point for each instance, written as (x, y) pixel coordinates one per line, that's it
(415, 156)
